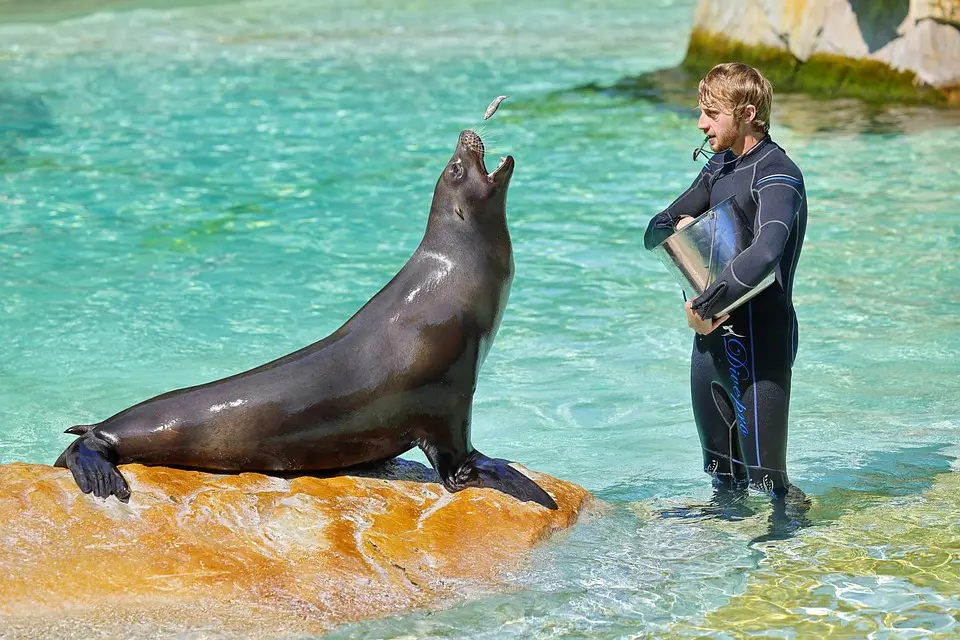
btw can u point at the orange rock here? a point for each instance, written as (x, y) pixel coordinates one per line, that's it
(193, 548)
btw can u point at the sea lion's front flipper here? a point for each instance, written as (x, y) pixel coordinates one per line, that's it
(478, 470)
(89, 460)
(481, 471)
(459, 465)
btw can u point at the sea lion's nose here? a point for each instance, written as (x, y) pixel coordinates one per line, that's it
(471, 140)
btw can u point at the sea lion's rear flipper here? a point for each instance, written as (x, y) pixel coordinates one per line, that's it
(79, 429)
(480, 471)
(89, 459)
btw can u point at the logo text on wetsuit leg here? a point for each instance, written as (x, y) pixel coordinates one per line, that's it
(737, 359)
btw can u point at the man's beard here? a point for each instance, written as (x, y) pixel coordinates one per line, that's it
(724, 140)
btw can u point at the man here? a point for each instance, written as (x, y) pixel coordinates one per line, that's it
(741, 364)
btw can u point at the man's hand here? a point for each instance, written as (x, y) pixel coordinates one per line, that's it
(683, 221)
(698, 324)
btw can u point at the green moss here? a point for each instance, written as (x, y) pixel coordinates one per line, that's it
(823, 75)
(706, 50)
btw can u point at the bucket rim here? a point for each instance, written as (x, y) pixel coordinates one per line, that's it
(695, 221)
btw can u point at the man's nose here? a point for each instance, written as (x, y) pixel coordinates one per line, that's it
(703, 123)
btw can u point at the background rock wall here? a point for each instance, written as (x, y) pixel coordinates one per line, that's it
(918, 37)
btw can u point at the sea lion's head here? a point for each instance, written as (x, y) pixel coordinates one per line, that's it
(465, 189)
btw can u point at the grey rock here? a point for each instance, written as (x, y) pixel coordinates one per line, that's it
(922, 36)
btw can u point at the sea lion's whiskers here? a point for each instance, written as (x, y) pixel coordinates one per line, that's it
(493, 137)
(490, 143)
(487, 136)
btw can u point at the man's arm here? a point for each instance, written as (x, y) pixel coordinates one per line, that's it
(780, 195)
(692, 202)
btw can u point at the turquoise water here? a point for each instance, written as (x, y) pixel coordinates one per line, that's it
(186, 193)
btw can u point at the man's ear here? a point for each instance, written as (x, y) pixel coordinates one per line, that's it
(749, 113)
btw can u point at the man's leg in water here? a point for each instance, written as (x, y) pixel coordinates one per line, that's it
(764, 445)
(754, 361)
(720, 446)
(765, 452)
(716, 421)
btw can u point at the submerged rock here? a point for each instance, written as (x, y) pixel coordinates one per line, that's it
(193, 551)
(876, 566)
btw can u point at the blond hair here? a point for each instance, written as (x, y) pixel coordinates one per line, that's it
(731, 86)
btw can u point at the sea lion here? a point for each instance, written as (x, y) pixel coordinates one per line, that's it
(400, 373)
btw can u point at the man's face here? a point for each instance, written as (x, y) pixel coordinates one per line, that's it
(722, 128)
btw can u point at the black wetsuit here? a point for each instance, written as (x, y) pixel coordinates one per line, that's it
(740, 373)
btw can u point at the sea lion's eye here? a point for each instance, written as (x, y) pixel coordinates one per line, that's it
(456, 169)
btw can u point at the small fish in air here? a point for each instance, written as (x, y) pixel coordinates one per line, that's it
(492, 109)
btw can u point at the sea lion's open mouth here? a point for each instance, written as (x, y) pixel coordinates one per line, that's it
(506, 162)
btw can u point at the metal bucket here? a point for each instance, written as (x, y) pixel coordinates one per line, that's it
(696, 254)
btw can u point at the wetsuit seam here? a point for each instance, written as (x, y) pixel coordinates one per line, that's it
(753, 164)
(723, 164)
(708, 183)
(744, 463)
(793, 221)
(779, 176)
(780, 184)
(787, 226)
(730, 425)
(756, 149)
(734, 274)
(796, 246)
(759, 209)
(691, 187)
(713, 175)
